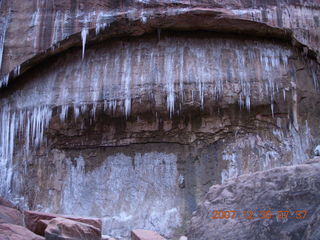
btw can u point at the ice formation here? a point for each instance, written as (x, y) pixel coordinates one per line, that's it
(179, 70)
(84, 33)
(317, 151)
(4, 81)
(4, 22)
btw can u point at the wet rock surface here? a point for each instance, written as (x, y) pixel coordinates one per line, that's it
(294, 189)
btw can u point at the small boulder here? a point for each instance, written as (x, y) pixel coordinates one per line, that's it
(37, 221)
(66, 229)
(14, 232)
(140, 234)
(10, 215)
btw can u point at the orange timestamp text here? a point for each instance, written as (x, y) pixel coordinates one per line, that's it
(262, 214)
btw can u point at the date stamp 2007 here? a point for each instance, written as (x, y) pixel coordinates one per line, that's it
(259, 214)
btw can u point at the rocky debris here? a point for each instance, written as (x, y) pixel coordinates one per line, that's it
(14, 232)
(38, 221)
(10, 215)
(140, 234)
(183, 238)
(291, 188)
(66, 229)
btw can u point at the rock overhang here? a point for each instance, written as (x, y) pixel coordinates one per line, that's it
(131, 24)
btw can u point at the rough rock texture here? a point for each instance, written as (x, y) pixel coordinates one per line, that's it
(43, 23)
(173, 127)
(141, 234)
(66, 229)
(111, 106)
(15, 232)
(38, 221)
(294, 188)
(6, 203)
(10, 215)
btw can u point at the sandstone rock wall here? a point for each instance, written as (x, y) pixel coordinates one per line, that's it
(42, 23)
(114, 108)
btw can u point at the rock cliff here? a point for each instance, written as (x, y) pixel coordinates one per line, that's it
(130, 110)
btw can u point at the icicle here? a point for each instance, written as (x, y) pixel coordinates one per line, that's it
(39, 120)
(181, 73)
(240, 101)
(3, 35)
(244, 83)
(248, 103)
(16, 71)
(103, 21)
(57, 34)
(35, 23)
(127, 82)
(169, 63)
(94, 110)
(64, 112)
(76, 111)
(27, 134)
(4, 81)
(84, 34)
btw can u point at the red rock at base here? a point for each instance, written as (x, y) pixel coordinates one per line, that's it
(35, 221)
(6, 203)
(10, 215)
(62, 228)
(14, 232)
(140, 234)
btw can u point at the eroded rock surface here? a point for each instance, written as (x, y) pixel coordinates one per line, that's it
(294, 189)
(141, 234)
(10, 215)
(15, 232)
(66, 229)
(62, 19)
(37, 222)
(114, 109)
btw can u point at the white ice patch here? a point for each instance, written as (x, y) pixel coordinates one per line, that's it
(156, 197)
(84, 34)
(316, 151)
